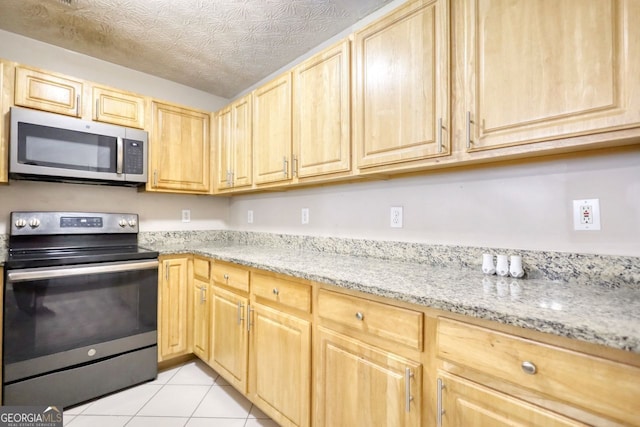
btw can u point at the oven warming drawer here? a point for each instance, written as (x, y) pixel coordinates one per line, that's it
(72, 386)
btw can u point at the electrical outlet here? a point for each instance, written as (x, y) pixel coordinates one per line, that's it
(586, 214)
(249, 216)
(396, 216)
(186, 215)
(304, 215)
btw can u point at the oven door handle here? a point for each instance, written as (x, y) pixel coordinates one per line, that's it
(52, 273)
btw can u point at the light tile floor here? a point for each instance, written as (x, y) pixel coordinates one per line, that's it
(189, 395)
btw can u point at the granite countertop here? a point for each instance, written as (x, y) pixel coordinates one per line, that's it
(595, 314)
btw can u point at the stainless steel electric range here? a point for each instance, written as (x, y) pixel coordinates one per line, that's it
(80, 308)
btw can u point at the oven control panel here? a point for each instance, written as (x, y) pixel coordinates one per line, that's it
(50, 223)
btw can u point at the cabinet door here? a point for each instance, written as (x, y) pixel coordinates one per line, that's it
(242, 137)
(402, 85)
(201, 318)
(466, 404)
(539, 70)
(4, 129)
(272, 131)
(48, 92)
(179, 149)
(117, 107)
(322, 114)
(281, 365)
(360, 385)
(224, 149)
(229, 339)
(173, 328)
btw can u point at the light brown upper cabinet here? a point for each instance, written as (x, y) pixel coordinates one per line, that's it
(179, 150)
(272, 147)
(321, 113)
(402, 86)
(535, 71)
(118, 107)
(48, 91)
(233, 148)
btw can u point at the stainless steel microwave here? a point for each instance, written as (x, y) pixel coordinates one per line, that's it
(51, 147)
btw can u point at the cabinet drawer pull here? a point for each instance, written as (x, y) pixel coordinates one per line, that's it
(407, 389)
(439, 410)
(529, 368)
(359, 316)
(276, 291)
(226, 277)
(440, 135)
(469, 142)
(240, 311)
(249, 310)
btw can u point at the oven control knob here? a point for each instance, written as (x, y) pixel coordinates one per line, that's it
(21, 223)
(122, 223)
(34, 223)
(132, 223)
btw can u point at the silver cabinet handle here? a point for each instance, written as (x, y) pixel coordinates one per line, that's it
(228, 178)
(440, 135)
(240, 311)
(360, 315)
(155, 177)
(276, 291)
(97, 108)
(249, 323)
(407, 389)
(285, 166)
(119, 155)
(439, 410)
(529, 368)
(78, 105)
(469, 142)
(166, 271)
(295, 166)
(226, 276)
(203, 297)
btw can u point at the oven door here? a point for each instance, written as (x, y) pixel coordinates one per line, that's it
(57, 317)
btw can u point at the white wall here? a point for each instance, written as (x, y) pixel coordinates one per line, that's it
(518, 206)
(157, 211)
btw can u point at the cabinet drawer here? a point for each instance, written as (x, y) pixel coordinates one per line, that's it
(288, 293)
(201, 267)
(392, 323)
(231, 276)
(608, 388)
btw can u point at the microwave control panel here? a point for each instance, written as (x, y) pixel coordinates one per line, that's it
(133, 157)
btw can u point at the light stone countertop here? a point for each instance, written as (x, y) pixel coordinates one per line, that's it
(595, 314)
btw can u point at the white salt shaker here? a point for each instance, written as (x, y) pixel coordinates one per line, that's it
(516, 266)
(502, 267)
(487, 264)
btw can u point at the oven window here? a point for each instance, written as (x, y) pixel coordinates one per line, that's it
(48, 316)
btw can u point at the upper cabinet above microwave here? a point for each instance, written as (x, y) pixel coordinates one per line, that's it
(57, 93)
(48, 92)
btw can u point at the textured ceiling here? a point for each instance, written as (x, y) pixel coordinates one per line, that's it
(218, 46)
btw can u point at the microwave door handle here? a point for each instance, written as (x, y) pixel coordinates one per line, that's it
(119, 155)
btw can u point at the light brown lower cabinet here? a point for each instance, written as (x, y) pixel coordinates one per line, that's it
(463, 403)
(311, 355)
(280, 365)
(230, 337)
(360, 385)
(174, 325)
